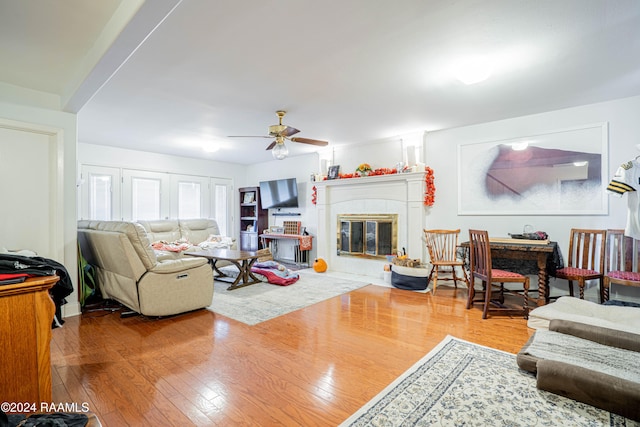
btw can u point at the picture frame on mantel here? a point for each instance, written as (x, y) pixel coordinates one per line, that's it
(334, 172)
(560, 172)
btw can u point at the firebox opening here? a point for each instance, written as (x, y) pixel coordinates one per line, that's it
(367, 235)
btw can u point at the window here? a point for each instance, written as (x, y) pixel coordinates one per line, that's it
(109, 193)
(100, 206)
(99, 193)
(145, 198)
(221, 206)
(189, 200)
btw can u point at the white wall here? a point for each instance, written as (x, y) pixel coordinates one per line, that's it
(441, 153)
(300, 168)
(384, 153)
(100, 155)
(64, 125)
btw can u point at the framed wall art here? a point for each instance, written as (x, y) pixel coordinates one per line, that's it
(555, 173)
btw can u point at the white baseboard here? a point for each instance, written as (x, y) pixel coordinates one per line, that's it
(71, 309)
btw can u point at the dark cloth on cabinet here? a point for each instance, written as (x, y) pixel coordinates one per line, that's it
(39, 266)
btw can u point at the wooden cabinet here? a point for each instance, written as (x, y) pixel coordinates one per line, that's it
(26, 315)
(253, 219)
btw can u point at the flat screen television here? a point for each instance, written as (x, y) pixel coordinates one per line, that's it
(279, 193)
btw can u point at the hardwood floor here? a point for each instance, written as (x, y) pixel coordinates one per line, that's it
(312, 367)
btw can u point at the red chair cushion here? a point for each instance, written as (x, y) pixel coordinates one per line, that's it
(625, 275)
(573, 271)
(502, 274)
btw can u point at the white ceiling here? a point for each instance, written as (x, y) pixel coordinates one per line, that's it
(183, 74)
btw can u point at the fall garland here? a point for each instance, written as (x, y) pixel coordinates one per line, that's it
(430, 188)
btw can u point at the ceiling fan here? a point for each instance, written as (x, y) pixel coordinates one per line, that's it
(280, 133)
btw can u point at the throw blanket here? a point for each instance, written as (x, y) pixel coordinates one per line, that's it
(275, 273)
(171, 247)
(216, 242)
(305, 243)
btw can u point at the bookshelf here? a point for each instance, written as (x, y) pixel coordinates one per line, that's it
(253, 219)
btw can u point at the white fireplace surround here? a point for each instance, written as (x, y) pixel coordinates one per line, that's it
(402, 194)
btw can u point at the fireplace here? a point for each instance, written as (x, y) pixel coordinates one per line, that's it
(367, 235)
(343, 205)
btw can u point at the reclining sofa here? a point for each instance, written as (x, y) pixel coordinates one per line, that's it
(147, 281)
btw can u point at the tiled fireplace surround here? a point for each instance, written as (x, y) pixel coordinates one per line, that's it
(401, 194)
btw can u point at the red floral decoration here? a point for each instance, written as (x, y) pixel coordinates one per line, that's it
(430, 188)
(314, 195)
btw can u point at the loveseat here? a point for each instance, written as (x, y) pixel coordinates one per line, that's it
(149, 282)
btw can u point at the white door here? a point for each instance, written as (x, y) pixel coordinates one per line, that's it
(25, 190)
(145, 195)
(221, 206)
(189, 196)
(100, 193)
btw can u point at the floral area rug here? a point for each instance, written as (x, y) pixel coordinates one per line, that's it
(257, 303)
(463, 384)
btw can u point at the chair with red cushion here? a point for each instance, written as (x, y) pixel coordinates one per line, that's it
(493, 280)
(623, 259)
(586, 259)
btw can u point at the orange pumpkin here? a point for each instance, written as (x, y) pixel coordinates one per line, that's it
(320, 265)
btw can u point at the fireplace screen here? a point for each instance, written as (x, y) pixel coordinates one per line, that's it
(367, 235)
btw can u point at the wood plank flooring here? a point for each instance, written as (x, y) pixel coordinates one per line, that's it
(312, 367)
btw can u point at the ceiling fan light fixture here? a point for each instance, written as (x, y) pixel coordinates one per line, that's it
(280, 151)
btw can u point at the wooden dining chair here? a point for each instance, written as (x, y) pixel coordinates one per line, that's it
(586, 259)
(493, 280)
(443, 246)
(623, 260)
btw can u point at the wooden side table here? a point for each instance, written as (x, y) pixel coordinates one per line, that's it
(26, 315)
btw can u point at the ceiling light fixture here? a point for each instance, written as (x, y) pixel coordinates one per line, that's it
(280, 151)
(473, 70)
(519, 146)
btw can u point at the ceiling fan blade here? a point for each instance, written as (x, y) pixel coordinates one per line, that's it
(289, 131)
(273, 144)
(249, 136)
(310, 141)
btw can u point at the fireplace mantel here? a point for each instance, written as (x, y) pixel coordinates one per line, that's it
(401, 193)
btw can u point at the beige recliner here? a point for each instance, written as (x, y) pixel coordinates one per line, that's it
(129, 271)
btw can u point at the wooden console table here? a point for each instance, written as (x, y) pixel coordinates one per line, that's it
(26, 315)
(303, 244)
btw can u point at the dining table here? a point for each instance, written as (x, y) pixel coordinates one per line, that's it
(524, 256)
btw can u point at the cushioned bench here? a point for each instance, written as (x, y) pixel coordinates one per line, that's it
(624, 318)
(594, 365)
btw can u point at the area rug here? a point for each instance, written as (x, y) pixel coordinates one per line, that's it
(463, 384)
(263, 301)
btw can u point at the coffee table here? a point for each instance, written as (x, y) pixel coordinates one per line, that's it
(243, 260)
